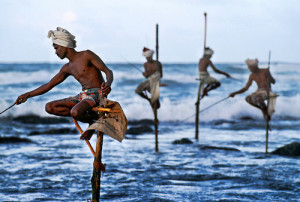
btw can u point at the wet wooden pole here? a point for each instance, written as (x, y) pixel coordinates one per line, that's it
(197, 119)
(155, 106)
(97, 168)
(205, 24)
(268, 103)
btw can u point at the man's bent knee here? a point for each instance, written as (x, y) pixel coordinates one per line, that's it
(49, 108)
(217, 84)
(248, 99)
(75, 113)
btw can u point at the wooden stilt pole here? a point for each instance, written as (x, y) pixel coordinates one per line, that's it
(155, 108)
(267, 135)
(197, 119)
(268, 103)
(80, 131)
(97, 168)
(197, 112)
(205, 30)
(156, 128)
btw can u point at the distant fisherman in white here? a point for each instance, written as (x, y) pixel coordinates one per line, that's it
(205, 79)
(153, 73)
(263, 79)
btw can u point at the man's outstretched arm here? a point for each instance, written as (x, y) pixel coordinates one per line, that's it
(57, 79)
(243, 89)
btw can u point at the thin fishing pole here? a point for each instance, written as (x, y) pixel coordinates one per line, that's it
(133, 65)
(235, 79)
(205, 109)
(213, 104)
(229, 78)
(7, 108)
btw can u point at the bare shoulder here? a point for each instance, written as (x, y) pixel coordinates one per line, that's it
(65, 68)
(251, 77)
(88, 53)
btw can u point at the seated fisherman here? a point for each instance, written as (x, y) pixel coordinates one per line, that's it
(153, 73)
(205, 79)
(85, 67)
(263, 79)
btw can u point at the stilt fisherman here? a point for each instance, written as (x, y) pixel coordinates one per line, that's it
(207, 82)
(153, 73)
(263, 79)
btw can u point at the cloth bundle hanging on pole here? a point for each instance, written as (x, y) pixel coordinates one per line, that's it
(114, 123)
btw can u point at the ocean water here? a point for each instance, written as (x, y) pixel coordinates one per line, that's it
(228, 162)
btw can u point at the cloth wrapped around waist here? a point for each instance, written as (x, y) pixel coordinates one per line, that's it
(263, 93)
(205, 78)
(154, 81)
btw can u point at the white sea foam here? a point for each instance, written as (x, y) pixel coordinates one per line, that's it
(25, 77)
(174, 106)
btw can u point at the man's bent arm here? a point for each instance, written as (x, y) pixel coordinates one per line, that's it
(57, 79)
(160, 69)
(217, 70)
(99, 64)
(272, 80)
(243, 89)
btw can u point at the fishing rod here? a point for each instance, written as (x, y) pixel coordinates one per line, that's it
(133, 66)
(214, 104)
(14, 104)
(228, 78)
(7, 108)
(205, 108)
(235, 79)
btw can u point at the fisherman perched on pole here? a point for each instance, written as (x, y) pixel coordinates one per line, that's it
(263, 79)
(153, 73)
(207, 82)
(85, 67)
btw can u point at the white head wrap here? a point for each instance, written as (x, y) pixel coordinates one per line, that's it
(62, 37)
(147, 52)
(252, 63)
(208, 51)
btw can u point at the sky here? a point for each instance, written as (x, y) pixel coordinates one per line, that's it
(117, 30)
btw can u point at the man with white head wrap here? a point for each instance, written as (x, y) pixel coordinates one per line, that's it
(263, 79)
(153, 73)
(62, 37)
(207, 82)
(85, 67)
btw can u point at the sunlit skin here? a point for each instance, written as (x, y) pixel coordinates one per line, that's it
(203, 64)
(86, 68)
(151, 67)
(263, 79)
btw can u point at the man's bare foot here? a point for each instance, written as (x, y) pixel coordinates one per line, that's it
(87, 135)
(204, 93)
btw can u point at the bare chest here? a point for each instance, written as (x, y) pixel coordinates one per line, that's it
(78, 70)
(151, 67)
